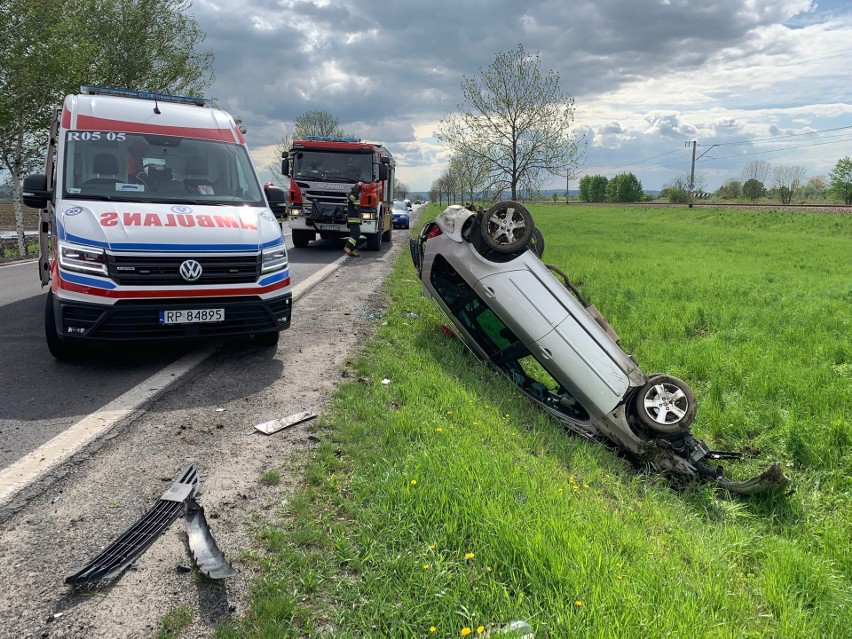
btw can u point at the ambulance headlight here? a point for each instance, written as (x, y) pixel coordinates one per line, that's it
(274, 259)
(83, 259)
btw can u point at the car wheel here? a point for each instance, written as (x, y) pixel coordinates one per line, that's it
(507, 227)
(59, 349)
(537, 242)
(665, 404)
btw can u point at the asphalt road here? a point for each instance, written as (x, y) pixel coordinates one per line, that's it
(40, 397)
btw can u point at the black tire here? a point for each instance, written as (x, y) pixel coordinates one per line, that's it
(665, 404)
(60, 349)
(537, 242)
(374, 242)
(507, 227)
(387, 236)
(267, 339)
(301, 238)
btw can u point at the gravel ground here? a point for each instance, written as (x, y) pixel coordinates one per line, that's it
(207, 420)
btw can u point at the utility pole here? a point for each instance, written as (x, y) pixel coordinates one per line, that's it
(691, 173)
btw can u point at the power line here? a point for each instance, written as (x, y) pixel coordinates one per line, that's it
(782, 137)
(786, 148)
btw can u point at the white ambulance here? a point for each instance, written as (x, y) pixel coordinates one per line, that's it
(154, 225)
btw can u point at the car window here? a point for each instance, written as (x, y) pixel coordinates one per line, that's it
(502, 346)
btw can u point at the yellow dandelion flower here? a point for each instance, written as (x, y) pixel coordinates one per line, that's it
(619, 577)
(487, 568)
(578, 603)
(425, 566)
(449, 412)
(469, 555)
(480, 630)
(561, 490)
(585, 485)
(465, 631)
(413, 482)
(439, 430)
(432, 629)
(431, 546)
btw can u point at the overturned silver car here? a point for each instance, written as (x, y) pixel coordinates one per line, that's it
(483, 269)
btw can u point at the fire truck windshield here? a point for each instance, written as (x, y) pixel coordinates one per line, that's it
(333, 166)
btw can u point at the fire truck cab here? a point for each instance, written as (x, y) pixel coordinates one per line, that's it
(322, 171)
(154, 225)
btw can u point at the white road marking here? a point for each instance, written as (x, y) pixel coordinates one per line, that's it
(54, 452)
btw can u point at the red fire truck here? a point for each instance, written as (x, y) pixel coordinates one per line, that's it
(322, 171)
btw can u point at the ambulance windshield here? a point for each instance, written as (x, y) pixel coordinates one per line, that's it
(115, 165)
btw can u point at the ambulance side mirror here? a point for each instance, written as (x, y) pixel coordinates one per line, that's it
(34, 191)
(277, 198)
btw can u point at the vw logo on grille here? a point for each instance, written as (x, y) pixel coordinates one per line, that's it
(190, 270)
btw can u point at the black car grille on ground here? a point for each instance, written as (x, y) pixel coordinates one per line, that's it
(137, 270)
(127, 548)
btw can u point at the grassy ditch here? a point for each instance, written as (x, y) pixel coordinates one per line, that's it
(443, 504)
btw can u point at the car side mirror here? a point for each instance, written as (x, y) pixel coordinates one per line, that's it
(277, 198)
(35, 192)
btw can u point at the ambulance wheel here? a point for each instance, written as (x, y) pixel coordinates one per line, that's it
(665, 404)
(507, 227)
(301, 239)
(59, 349)
(267, 339)
(374, 242)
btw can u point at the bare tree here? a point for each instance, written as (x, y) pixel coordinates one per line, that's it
(757, 170)
(471, 174)
(516, 120)
(787, 179)
(311, 123)
(400, 190)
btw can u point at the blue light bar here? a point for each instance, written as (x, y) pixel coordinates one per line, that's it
(319, 138)
(143, 95)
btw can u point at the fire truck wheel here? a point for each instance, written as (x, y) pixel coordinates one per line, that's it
(301, 239)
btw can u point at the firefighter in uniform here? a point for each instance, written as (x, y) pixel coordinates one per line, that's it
(353, 219)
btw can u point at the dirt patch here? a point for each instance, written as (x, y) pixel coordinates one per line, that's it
(208, 420)
(7, 218)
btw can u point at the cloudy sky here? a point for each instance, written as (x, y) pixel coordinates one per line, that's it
(748, 79)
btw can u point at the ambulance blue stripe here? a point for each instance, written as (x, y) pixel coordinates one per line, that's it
(131, 246)
(107, 285)
(275, 277)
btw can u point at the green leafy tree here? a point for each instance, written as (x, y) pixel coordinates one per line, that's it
(516, 120)
(624, 187)
(50, 47)
(840, 180)
(593, 188)
(731, 189)
(676, 191)
(754, 189)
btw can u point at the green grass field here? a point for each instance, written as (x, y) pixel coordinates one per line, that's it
(443, 504)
